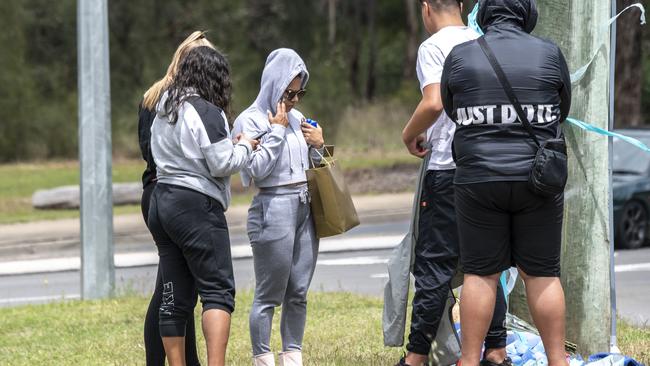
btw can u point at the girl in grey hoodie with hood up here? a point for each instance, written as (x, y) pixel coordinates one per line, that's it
(280, 225)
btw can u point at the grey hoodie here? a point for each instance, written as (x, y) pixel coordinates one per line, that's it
(283, 154)
(197, 152)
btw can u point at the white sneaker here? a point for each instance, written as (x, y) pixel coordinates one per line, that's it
(291, 358)
(265, 359)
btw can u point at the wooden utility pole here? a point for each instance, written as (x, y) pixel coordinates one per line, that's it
(579, 27)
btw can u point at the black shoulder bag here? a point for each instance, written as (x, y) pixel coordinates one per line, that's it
(549, 172)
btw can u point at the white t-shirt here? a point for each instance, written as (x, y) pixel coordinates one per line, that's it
(431, 61)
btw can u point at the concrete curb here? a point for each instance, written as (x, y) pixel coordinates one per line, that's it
(149, 258)
(46, 239)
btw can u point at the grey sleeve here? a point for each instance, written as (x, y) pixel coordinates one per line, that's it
(225, 159)
(264, 159)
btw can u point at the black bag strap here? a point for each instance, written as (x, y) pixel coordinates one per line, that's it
(507, 88)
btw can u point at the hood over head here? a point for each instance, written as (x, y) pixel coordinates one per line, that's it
(518, 13)
(281, 67)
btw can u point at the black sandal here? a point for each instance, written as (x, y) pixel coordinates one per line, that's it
(402, 362)
(506, 362)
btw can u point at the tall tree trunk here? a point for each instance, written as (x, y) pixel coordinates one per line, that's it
(371, 80)
(354, 58)
(468, 5)
(331, 12)
(408, 71)
(628, 68)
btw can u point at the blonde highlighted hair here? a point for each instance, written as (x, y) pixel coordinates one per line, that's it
(153, 94)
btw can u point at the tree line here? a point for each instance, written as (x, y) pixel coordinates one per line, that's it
(359, 52)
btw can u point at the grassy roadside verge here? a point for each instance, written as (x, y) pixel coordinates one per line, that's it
(19, 181)
(343, 329)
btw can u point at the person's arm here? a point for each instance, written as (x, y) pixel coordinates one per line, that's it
(429, 70)
(565, 89)
(145, 119)
(265, 158)
(223, 156)
(426, 113)
(315, 142)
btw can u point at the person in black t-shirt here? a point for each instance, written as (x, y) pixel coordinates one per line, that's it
(154, 351)
(501, 222)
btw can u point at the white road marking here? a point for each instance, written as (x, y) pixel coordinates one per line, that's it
(33, 299)
(635, 267)
(379, 275)
(150, 258)
(355, 261)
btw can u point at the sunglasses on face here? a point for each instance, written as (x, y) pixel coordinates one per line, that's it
(291, 94)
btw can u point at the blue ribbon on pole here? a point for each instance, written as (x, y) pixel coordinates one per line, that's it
(577, 76)
(591, 128)
(472, 22)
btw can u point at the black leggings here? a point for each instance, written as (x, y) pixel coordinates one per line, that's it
(154, 350)
(191, 233)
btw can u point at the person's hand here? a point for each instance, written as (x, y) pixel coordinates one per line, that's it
(280, 117)
(243, 137)
(313, 135)
(414, 146)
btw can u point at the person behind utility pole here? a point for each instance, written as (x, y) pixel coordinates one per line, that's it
(502, 221)
(153, 347)
(436, 250)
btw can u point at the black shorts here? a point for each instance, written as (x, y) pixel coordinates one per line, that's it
(504, 224)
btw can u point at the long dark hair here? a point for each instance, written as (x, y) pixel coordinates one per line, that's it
(203, 71)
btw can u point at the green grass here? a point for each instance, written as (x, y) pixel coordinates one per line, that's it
(634, 341)
(19, 181)
(342, 329)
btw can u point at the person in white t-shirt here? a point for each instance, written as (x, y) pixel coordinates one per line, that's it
(430, 130)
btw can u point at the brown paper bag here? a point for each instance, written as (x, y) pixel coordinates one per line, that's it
(331, 202)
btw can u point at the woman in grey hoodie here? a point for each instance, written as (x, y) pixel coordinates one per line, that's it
(280, 225)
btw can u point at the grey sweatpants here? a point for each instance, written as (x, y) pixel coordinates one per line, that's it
(285, 248)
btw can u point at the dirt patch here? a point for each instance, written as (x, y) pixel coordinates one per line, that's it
(390, 179)
(393, 179)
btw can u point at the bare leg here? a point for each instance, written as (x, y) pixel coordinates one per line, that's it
(216, 329)
(546, 304)
(175, 350)
(476, 310)
(495, 341)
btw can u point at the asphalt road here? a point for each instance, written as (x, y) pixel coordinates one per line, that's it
(361, 272)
